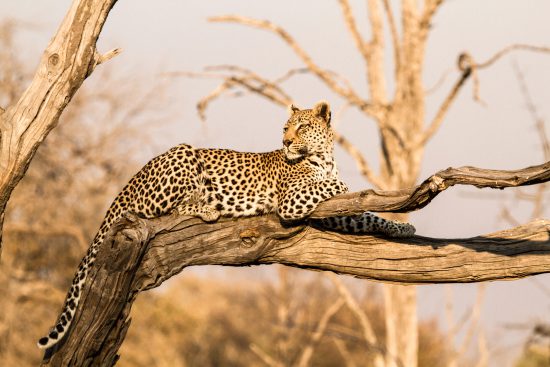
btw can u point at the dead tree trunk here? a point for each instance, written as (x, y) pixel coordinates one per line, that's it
(140, 254)
(70, 58)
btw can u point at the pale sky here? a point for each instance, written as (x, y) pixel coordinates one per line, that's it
(176, 36)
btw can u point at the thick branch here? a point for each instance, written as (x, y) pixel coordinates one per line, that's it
(140, 254)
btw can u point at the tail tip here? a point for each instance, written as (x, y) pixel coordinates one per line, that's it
(43, 343)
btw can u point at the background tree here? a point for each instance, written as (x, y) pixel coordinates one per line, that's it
(403, 127)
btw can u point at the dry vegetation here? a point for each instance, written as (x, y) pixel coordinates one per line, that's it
(200, 322)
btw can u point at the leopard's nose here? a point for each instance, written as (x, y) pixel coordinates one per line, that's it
(287, 142)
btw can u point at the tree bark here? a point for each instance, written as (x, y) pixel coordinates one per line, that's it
(70, 58)
(140, 254)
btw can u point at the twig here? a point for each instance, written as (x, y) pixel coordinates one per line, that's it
(466, 71)
(266, 358)
(508, 217)
(509, 49)
(319, 332)
(344, 352)
(439, 82)
(368, 332)
(474, 319)
(496, 57)
(360, 160)
(483, 351)
(533, 111)
(100, 59)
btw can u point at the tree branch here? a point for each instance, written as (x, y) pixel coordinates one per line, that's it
(140, 254)
(346, 93)
(466, 71)
(418, 197)
(362, 165)
(490, 61)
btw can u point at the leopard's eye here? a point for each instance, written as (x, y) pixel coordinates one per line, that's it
(285, 129)
(302, 127)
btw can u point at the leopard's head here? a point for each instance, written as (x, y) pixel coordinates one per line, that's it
(308, 132)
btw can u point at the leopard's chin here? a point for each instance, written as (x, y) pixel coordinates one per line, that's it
(292, 156)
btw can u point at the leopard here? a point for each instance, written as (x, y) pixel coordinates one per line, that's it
(211, 183)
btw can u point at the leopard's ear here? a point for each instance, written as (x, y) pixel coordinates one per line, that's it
(322, 109)
(292, 109)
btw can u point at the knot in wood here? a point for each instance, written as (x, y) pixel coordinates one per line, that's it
(53, 59)
(437, 183)
(249, 237)
(465, 63)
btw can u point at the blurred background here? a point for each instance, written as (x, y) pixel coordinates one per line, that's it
(145, 100)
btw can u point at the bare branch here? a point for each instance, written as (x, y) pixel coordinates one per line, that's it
(508, 49)
(466, 71)
(418, 197)
(348, 359)
(359, 159)
(372, 51)
(439, 82)
(469, 68)
(305, 357)
(368, 332)
(476, 66)
(483, 360)
(506, 216)
(266, 358)
(394, 36)
(360, 43)
(533, 111)
(244, 78)
(474, 319)
(100, 59)
(324, 75)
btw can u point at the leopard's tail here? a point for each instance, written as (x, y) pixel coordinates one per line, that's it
(72, 300)
(64, 320)
(368, 223)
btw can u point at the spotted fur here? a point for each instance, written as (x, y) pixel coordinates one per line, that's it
(210, 183)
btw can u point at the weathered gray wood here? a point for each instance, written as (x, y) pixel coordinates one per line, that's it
(140, 254)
